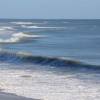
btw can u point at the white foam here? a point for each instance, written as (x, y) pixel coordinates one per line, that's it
(20, 35)
(29, 23)
(9, 28)
(6, 28)
(16, 37)
(46, 85)
(2, 29)
(22, 23)
(39, 27)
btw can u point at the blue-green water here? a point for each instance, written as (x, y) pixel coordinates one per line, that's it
(50, 59)
(72, 39)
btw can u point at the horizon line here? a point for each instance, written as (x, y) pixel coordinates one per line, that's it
(51, 18)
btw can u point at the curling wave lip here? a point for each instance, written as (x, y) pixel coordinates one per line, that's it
(17, 37)
(43, 60)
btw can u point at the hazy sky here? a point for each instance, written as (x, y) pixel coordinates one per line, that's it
(69, 9)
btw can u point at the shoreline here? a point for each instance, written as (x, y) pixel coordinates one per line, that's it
(10, 96)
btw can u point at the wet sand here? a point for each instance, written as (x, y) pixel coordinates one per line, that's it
(8, 96)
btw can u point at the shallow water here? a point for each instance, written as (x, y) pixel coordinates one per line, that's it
(47, 83)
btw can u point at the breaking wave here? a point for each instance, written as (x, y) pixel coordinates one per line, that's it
(6, 28)
(22, 23)
(29, 23)
(19, 57)
(17, 37)
(40, 27)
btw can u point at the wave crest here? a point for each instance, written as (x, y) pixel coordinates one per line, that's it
(6, 28)
(22, 23)
(42, 60)
(41, 27)
(17, 37)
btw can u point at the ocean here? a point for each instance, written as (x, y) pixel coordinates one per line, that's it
(48, 59)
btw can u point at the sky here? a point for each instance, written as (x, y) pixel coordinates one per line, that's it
(50, 9)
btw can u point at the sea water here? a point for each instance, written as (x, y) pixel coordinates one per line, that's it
(50, 59)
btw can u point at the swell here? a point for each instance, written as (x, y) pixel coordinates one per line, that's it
(18, 58)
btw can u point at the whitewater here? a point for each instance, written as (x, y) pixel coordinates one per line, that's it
(50, 59)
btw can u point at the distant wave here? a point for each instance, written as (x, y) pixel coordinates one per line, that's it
(29, 23)
(22, 23)
(6, 28)
(2, 29)
(42, 60)
(17, 37)
(40, 27)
